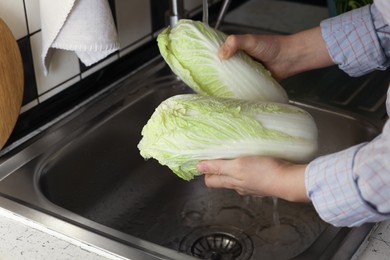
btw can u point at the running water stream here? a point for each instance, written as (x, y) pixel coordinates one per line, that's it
(275, 212)
(205, 12)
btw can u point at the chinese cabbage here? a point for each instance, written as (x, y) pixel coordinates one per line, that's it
(188, 128)
(190, 49)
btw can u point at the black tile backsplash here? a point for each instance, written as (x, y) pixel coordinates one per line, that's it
(159, 13)
(30, 87)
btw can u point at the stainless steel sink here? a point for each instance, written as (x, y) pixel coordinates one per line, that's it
(84, 177)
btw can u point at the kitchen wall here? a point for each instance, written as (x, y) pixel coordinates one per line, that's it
(138, 23)
(135, 26)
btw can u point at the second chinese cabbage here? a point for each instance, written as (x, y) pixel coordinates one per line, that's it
(188, 128)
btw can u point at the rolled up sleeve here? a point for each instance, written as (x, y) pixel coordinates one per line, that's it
(355, 40)
(352, 187)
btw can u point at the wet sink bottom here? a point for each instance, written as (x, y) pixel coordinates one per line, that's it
(265, 230)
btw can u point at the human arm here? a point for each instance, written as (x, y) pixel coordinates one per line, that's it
(283, 55)
(357, 42)
(352, 187)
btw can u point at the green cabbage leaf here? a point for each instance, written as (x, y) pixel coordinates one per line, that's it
(188, 128)
(190, 49)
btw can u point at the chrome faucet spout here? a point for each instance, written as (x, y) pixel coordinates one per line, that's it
(222, 13)
(176, 11)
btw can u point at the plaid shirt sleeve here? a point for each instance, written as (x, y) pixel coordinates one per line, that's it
(352, 187)
(358, 41)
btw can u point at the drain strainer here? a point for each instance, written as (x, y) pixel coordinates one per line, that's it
(216, 246)
(217, 243)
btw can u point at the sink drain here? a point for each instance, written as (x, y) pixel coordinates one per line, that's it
(216, 246)
(217, 243)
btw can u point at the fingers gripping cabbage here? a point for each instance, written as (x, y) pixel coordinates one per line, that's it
(191, 51)
(188, 128)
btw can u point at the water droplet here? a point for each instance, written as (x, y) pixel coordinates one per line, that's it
(192, 218)
(275, 212)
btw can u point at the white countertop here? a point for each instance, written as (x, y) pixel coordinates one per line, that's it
(377, 244)
(21, 238)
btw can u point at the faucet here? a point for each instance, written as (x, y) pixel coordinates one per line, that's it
(222, 13)
(176, 11)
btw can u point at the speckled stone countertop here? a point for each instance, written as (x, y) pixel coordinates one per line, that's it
(377, 244)
(21, 238)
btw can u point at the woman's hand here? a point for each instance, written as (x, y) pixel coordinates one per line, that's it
(282, 55)
(257, 175)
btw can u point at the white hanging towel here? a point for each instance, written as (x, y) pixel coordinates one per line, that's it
(83, 26)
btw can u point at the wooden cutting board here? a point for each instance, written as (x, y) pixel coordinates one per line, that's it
(11, 82)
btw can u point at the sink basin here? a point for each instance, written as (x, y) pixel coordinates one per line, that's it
(84, 177)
